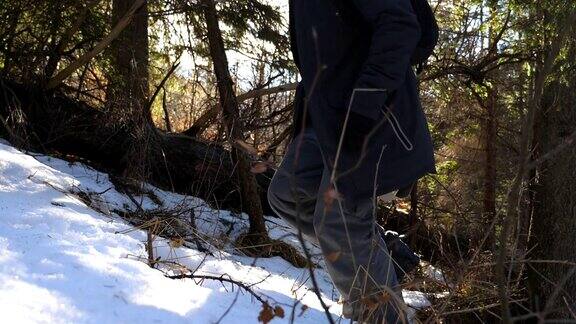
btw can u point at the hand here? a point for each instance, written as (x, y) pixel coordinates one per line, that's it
(357, 130)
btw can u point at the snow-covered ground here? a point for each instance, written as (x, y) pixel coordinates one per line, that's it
(62, 261)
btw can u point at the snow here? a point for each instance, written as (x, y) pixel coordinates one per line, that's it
(68, 259)
(434, 274)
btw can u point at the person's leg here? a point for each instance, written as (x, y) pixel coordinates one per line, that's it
(357, 258)
(293, 190)
(297, 194)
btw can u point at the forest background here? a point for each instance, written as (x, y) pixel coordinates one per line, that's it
(196, 97)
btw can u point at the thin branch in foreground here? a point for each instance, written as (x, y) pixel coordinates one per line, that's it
(162, 83)
(221, 279)
(268, 312)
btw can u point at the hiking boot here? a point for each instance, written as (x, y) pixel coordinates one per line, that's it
(349, 313)
(405, 260)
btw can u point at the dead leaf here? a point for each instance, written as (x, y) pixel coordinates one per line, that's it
(330, 196)
(334, 256)
(266, 314)
(369, 303)
(259, 167)
(176, 242)
(303, 309)
(279, 311)
(384, 297)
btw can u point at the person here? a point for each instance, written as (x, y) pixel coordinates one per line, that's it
(359, 133)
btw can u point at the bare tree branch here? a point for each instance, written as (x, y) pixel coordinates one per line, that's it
(70, 69)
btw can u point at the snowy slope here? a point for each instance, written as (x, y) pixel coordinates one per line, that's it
(64, 262)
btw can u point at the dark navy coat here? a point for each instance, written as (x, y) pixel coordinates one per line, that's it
(354, 55)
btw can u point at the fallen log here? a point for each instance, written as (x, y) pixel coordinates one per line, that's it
(51, 122)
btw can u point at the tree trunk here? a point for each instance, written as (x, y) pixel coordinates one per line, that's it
(554, 223)
(128, 91)
(129, 88)
(490, 131)
(489, 186)
(229, 103)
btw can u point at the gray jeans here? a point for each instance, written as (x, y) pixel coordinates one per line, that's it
(355, 254)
